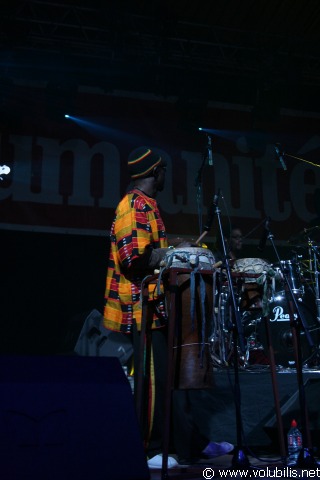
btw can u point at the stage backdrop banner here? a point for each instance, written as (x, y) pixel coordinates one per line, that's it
(68, 174)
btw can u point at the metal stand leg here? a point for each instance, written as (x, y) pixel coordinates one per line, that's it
(298, 323)
(173, 290)
(139, 394)
(143, 361)
(275, 392)
(306, 458)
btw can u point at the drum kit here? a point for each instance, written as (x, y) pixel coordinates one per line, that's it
(260, 289)
(212, 306)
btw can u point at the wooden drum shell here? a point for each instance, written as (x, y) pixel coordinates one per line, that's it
(192, 361)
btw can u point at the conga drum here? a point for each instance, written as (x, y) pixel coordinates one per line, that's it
(191, 278)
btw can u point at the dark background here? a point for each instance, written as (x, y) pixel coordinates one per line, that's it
(259, 53)
(262, 54)
(49, 284)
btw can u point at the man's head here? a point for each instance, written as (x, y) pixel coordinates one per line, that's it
(235, 240)
(144, 163)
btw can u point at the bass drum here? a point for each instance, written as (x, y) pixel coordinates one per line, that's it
(281, 333)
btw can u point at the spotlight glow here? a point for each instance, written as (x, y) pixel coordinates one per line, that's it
(103, 130)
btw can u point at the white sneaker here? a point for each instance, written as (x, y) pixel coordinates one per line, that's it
(156, 462)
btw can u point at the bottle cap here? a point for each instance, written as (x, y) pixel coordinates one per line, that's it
(293, 423)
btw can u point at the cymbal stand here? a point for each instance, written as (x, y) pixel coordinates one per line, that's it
(314, 254)
(298, 323)
(239, 460)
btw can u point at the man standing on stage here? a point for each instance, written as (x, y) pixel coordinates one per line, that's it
(138, 245)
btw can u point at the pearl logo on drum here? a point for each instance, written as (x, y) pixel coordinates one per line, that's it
(279, 315)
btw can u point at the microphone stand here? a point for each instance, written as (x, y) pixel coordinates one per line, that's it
(207, 159)
(239, 460)
(306, 458)
(198, 180)
(198, 184)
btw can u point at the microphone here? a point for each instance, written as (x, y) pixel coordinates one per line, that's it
(212, 211)
(280, 156)
(210, 156)
(264, 237)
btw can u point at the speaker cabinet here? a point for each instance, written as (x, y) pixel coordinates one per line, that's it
(68, 417)
(87, 336)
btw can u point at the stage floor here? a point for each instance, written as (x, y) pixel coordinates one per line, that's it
(260, 430)
(265, 467)
(215, 412)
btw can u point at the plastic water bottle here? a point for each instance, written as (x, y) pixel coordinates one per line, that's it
(294, 443)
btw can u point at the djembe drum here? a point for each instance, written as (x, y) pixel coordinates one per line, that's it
(245, 272)
(191, 276)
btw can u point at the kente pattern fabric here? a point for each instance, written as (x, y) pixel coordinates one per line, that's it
(137, 225)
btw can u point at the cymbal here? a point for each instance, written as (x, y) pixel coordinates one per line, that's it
(306, 232)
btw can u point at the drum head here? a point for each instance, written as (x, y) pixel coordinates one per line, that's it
(252, 266)
(191, 258)
(281, 333)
